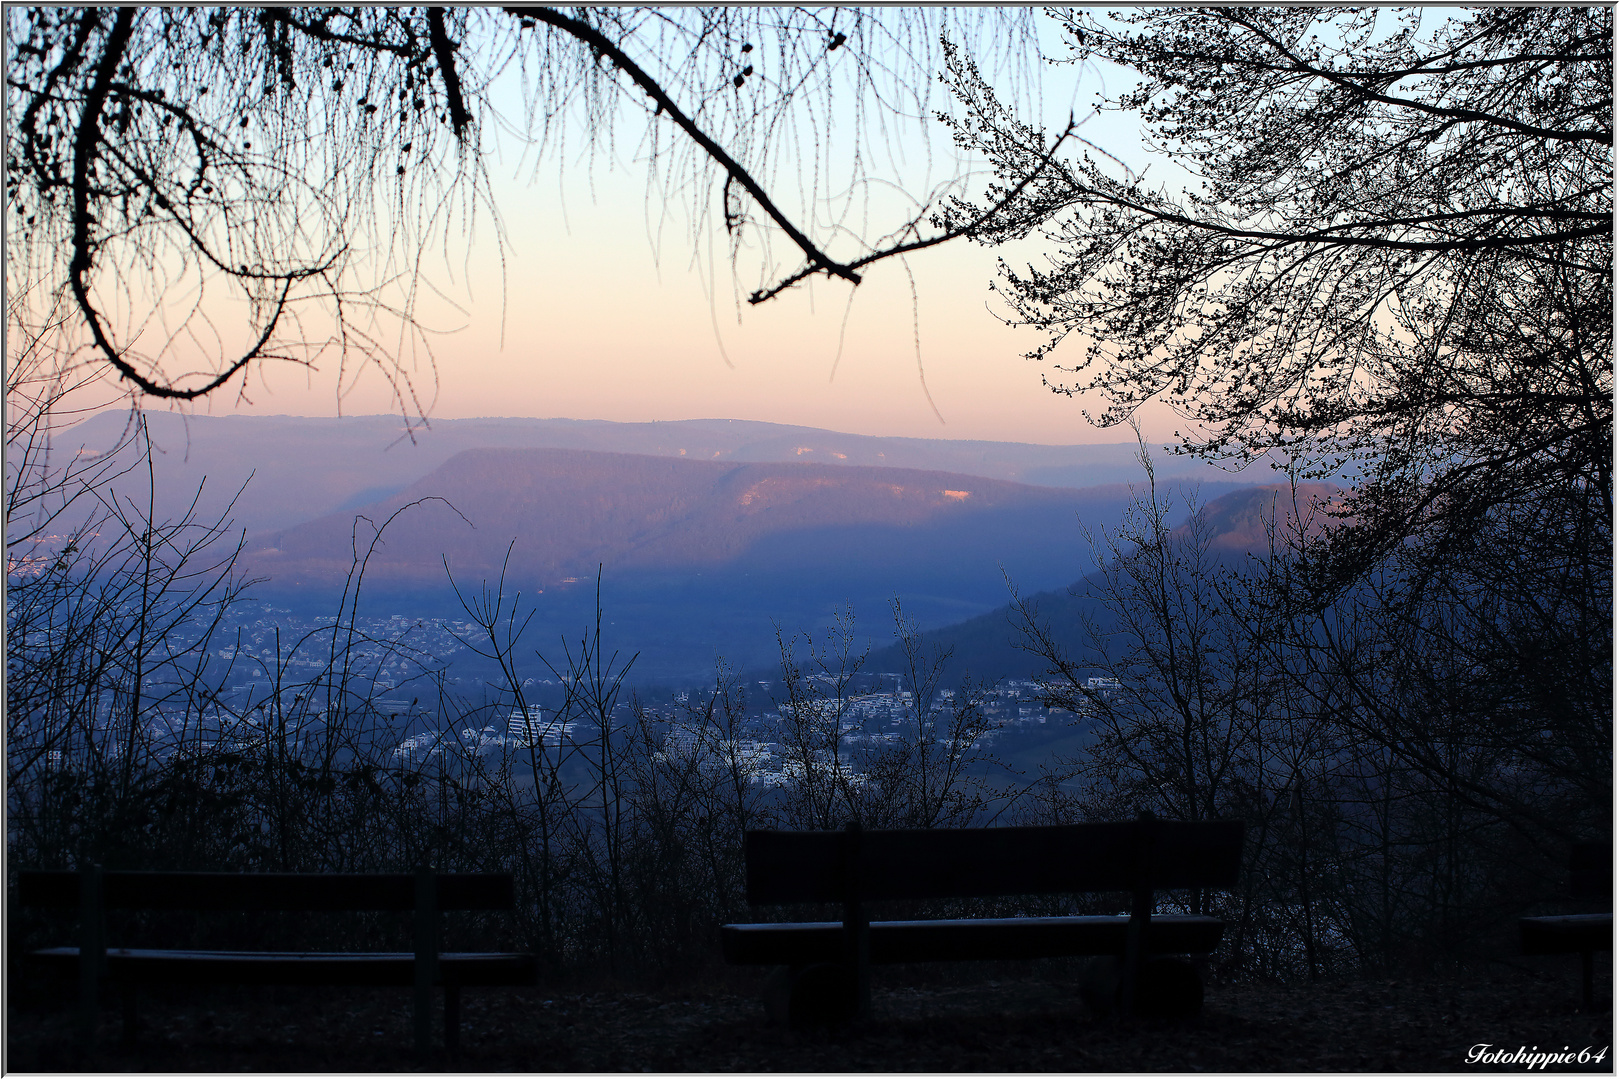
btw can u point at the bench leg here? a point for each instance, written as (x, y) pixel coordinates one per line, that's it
(777, 994)
(427, 955)
(89, 1007)
(422, 1019)
(92, 951)
(452, 1018)
(1586, 980)
(1167, 987)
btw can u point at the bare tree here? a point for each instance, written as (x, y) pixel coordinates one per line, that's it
(814, 712)
(1399, 268)
(1169, 681)
(925, 778)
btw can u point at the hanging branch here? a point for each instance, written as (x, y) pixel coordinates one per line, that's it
(84, 153)
(819, 261)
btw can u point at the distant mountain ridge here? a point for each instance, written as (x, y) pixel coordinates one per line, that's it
(561, 513)
(306, 467)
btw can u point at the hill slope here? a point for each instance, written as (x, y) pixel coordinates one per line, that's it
(565, 511)
(990, 645)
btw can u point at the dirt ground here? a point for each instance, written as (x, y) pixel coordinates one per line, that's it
(923, 1020)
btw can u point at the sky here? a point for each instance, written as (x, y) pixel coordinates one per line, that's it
(600, 307)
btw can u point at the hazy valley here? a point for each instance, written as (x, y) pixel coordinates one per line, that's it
(710, 534)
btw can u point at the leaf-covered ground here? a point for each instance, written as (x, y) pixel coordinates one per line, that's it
(939, 1020)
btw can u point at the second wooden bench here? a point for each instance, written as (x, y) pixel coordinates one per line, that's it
(825, 964)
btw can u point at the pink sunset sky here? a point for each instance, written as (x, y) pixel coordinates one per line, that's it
(610, 309)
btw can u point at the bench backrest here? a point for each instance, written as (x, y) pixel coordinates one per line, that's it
(266, 892)
(915, 864)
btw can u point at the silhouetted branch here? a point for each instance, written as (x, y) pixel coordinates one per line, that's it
(819, 260)
(759, 297)
(84, 154)
(444, 52)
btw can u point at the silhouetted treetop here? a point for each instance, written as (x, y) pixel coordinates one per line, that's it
(1396, 264)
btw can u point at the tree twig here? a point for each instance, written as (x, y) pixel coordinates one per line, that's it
(762, 295)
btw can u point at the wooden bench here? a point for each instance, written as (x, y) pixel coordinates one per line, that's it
(426, 893)
(824, 974)
(1591, 877)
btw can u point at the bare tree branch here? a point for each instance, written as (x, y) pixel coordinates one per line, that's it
(819, 260)
(952, 233)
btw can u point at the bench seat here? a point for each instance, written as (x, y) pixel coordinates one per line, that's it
(904, 942)
(1547, 935)
(199, 967)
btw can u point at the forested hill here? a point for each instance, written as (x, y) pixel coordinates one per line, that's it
(552, 516)
(1237, 530)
